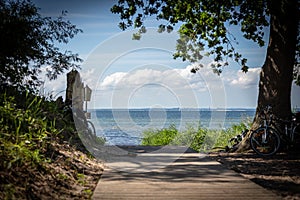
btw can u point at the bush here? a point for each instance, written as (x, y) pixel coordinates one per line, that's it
(159, 137)
(231, 132)
(199, 139)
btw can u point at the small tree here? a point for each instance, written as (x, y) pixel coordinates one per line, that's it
(203, 25)
(29, 41)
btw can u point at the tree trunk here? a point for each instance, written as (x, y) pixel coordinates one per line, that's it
(277, 72)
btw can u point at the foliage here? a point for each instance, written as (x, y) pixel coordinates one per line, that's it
(232, 132)
(199, 139)
(24, 133)
(204, 24)
(28, 42)
(24, 137)
(31, 128)
(159, 137)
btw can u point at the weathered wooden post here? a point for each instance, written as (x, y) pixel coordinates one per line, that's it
(75, 90)
(87, 97)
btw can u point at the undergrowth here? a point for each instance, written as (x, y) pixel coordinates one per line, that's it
(24, 133)
(31, 127)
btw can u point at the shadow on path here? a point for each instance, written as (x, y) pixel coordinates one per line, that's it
(190, 176)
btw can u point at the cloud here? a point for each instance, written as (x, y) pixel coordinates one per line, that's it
(245, 80)
(89, 77)
(113, 80)
(52, 88)
(165, 77)
(168, 77)
(159, 83)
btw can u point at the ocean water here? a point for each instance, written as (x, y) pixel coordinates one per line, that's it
(125, 126)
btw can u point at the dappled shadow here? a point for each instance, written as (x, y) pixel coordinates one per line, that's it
(189, 176)
(279, 173)
(250, 163)
(149, 149)
(283, 186)
(184, 167)
(137, 159)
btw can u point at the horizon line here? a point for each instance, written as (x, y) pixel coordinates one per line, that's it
(206, 108)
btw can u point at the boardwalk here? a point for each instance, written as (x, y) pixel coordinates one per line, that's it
(189, 177)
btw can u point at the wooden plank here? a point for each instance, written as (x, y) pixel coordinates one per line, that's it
(189, 177)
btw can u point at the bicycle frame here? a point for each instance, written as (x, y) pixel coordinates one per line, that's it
(266, 140)
(266, 124)
(294, 127)
(290, 126)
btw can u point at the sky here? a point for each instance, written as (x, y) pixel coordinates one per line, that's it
(125, 73)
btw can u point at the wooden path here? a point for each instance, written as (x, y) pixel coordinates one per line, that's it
(191, 176)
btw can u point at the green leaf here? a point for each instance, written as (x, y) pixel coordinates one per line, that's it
(245, 68)
(203, 22)
(136, 36)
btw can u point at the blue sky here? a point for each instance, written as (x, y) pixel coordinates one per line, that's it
(125, 73)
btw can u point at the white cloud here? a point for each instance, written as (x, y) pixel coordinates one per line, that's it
(145, 84)
(171, 78)
(165, 86)
(112, 80)
(89, 77)
(245, 80)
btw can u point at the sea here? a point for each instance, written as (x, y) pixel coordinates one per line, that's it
(126, 126)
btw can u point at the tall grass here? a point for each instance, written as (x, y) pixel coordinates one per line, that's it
(24, 132)
(197, 138)
(30, 127)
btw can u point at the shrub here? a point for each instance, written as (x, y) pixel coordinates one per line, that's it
(199, 139)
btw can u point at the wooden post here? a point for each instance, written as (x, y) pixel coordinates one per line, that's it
(75, 90)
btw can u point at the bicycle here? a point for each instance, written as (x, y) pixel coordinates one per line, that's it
(92, 128)
(270, 137)
(235, 141)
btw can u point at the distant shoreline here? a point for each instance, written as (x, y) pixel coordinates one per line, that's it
(175, 109)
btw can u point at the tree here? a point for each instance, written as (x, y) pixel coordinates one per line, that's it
(29, 41)
(203, 25)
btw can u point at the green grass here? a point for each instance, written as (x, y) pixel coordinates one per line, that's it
(25, 132)
(198, 138)
(29, 127)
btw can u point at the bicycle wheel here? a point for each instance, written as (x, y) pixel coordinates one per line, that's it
(265, 146)
(92, 128)
(296, 138)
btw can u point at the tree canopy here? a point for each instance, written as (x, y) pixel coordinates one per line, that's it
(203, 25)
(29, 41)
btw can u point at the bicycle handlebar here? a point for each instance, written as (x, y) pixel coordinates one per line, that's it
(267, 111)
(268, 108)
